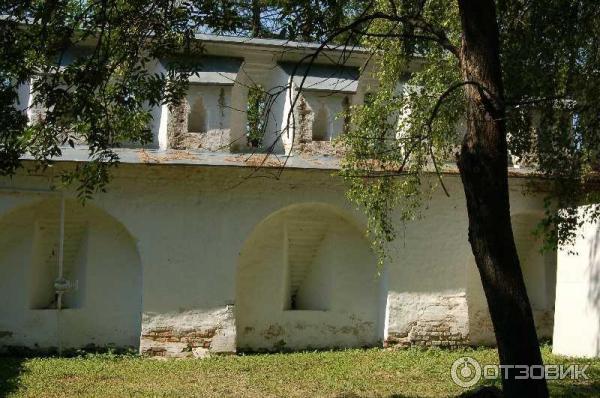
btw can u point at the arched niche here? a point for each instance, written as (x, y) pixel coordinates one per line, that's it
(103, 307)
(307, 278)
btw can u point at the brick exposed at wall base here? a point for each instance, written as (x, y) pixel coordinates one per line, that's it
(427, 334)
(166, 341)
(189, 334)
(428, 320)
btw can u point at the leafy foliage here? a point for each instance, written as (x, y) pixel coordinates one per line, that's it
(314, 20)
(389, 159)
(92, 63)
(551, 55)
(550, 61)
(93, 71)
(256, 115)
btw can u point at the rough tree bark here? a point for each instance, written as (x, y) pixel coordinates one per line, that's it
(483, 163)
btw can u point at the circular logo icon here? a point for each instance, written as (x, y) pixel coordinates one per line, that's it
(465, 372)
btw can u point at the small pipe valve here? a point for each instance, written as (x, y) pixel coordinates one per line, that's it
(61, 285)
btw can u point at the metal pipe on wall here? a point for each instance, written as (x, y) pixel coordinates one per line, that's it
(60, 284)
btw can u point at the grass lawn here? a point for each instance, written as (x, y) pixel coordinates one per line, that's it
(351, 373)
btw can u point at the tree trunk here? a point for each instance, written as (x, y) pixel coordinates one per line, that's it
(255, 22)
(483, 164)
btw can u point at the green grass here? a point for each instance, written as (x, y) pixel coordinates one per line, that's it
(350, 373)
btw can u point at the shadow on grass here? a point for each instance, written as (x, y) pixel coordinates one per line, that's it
(10, 370)
(352, 395)
(591, 389)
(556, 391)
(566, 390)
(480, 392)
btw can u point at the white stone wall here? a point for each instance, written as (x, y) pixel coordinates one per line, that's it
(577, 317)
(189, 226)
(280, 127)
(262, 67)
(227, 127)
(427, 302)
